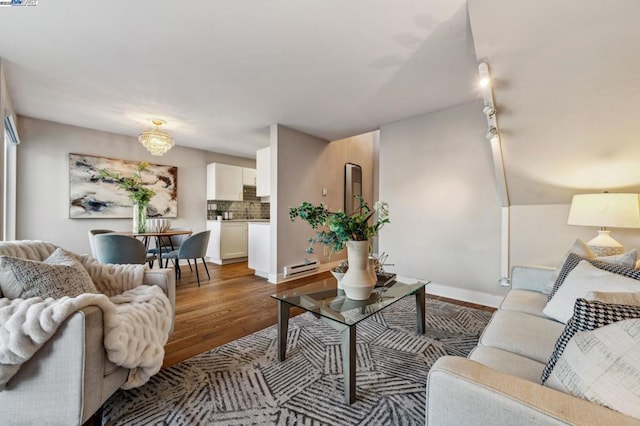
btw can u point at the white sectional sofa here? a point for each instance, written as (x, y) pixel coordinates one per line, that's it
(499, 383)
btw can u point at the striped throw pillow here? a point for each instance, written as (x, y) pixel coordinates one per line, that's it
(588, 315)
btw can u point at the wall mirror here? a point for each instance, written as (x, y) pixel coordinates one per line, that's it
(352, 187)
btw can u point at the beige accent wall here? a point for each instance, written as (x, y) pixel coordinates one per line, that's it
(43, 180)
(302, 166)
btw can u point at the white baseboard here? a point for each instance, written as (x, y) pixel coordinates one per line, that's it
(261, 274)
(225, 261)
(435, 289)
(464, 295)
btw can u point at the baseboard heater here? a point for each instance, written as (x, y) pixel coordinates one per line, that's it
(300, 268)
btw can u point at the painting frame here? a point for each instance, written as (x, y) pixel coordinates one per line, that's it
(91, 197)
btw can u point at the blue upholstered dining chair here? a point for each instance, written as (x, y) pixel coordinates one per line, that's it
(92, 244)
(171, 243)
(120, 249)
(193, 247)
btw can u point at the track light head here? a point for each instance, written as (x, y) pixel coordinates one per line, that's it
(489, 111)
(492, 132)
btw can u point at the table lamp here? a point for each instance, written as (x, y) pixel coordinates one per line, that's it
(605, 210)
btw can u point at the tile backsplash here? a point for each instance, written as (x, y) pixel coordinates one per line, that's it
(249, 208)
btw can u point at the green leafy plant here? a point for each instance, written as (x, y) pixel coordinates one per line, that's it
(138, 192)
(335, 229)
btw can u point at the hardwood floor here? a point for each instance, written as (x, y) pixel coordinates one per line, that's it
(233, 304)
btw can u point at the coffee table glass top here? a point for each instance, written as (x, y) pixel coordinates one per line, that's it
(324, 298)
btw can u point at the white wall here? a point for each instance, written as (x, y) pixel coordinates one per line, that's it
(304, 165)
(540, 234)
(436, 173)
(7, 164)
(43, 180)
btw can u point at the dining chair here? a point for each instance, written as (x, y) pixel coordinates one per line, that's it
(171, 243)
(92, 233)
(193, 247)
(120, 249)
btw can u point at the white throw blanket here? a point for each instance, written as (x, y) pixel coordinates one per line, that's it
(137, 319)
(136, 328)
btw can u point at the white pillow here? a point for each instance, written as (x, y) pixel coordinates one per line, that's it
(579, 248)
(603, 366)
(627, 259)
(583, 279)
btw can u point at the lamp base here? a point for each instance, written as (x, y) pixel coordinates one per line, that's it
(605, 245)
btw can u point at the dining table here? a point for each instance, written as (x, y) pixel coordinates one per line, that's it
(158, 235)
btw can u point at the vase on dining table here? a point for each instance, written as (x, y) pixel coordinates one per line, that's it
(139, 218)
(359, 280)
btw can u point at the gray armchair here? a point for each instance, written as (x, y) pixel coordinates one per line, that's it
(70, 377)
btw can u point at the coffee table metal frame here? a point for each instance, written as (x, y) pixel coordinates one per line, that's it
(319, 297)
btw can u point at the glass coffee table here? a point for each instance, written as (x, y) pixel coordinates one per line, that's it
(325, 300)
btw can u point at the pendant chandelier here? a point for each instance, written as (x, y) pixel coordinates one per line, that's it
(156, 141)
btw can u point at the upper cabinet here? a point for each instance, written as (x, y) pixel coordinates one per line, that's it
(263, 166)
(249, 177)
(224, 182)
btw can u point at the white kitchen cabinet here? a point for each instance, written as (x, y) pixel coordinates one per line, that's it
(233, 241)
(224, 182)
(249, 177)
(263, 172)
(228, 242)
(259, 248)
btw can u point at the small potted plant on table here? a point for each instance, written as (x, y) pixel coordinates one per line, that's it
(337, 230)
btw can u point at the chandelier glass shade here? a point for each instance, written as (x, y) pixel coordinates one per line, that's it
(156, 141)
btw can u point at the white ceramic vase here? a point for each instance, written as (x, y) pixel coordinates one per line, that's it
(359, 280)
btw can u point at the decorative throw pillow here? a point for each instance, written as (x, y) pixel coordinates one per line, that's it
(627, 259)
(603, 366)
(8, 285)
(623, 298)
(579, 248)
(573, 260)
(583, 279)
(59, 275)
(588, 315)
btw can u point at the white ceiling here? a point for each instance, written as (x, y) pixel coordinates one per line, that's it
(220, 72)
(567, 91)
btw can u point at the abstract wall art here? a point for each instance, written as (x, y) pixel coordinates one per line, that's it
(91, 197)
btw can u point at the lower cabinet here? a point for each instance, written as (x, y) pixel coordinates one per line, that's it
(259, 248)
(228, 242)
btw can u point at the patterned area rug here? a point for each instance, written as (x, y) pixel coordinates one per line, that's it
(242, 383)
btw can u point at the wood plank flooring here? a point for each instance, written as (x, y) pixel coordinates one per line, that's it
(233, 304)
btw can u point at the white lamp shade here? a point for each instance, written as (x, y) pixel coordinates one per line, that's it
(605, 210)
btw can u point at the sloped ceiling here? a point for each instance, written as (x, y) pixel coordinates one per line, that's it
(222, 71)
(567, 89)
